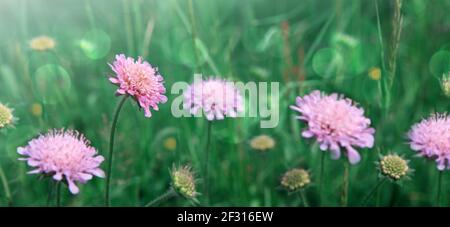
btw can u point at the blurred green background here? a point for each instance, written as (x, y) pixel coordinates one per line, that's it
(333, 46)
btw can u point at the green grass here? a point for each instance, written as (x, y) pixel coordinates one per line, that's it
(331, 45)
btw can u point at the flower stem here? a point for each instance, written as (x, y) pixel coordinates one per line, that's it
(344, 193)
(439, 187)
(374, 189)
(58, 194)
(6, 186)
(208, 148)
(322, 166)
(167, 195)
(303, 197)
(50, 192)
(395, 190)
(111, 149)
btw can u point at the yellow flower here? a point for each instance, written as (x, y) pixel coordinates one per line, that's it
(375, 73)
(36, 109)
(42, 43)
(262, 143)
(170, 144)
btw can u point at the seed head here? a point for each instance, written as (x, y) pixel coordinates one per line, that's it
(6, 116)
(262, 143)
(394, 166)
(183, 181)
(295, 179)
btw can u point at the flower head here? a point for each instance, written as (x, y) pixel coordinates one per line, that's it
(295, 179)
(216, 97)
(139, 80)
(394, 167)
(6, 116)
(262, 143)
(431, 138)
(336, 122)
(64, 155)
(42, 43)
(183, 181)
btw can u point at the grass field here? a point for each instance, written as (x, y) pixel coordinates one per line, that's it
(388, 58)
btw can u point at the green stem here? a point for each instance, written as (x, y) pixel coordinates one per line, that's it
(208, 148)
(322, 166)
(344, 194)
(58, 194)
(374, 189)
(439, 187)
(303, 198)
(167, 195)
(111, 149)
(395, 190)
(50, 192)
(5, 186)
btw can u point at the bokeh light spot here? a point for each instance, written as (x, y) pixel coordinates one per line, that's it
(51, 83)
(326, 62)
(440, 63)
(95, 44)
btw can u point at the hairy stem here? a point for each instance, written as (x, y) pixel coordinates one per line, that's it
(58, 193)
(167, 195)
(374, 189)
(303, 198)
(111, 149)
(208, 148)
(322, 166)
(344, 194)
(439, 188)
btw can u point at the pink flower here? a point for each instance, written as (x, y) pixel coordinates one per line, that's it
(216, 97)
(63, 155)
(336, 122)
(431, 138)
(139, 80)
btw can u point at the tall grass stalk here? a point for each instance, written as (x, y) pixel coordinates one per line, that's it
(5, 186)
(194, 33)
(397, 22)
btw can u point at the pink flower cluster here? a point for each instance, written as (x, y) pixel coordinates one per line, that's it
(139, 80)
(336, 123)
(64, 155)
(216, 97)
(431, 138)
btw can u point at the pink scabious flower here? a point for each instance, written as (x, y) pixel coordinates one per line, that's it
(431, 138)
(64, 155)
(216, 97)
(336, 122)
(139, 80)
